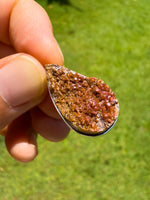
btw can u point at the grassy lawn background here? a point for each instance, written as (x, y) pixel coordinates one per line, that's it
(109, 40)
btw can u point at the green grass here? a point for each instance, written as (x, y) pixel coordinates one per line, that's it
(109, 40)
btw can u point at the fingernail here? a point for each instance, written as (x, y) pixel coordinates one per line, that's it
(21, 81)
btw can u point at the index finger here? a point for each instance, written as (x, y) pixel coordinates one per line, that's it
(30, 31)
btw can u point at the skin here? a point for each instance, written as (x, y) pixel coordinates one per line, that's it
(26, 44)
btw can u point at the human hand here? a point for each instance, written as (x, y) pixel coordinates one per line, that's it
(27, 43)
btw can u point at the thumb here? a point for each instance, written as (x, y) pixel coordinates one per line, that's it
(22, 86)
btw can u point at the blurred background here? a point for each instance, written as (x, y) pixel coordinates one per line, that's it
(111, 41)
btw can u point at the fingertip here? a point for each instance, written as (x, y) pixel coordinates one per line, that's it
(54, 130)
(20, 139)
(23, 152)
(33, 36)
(22, 86)
(48, 108)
